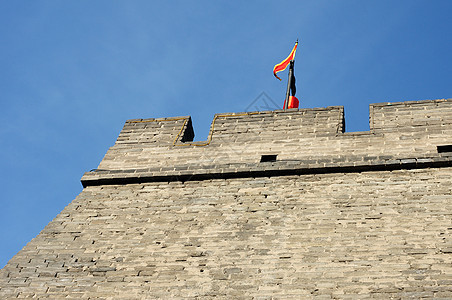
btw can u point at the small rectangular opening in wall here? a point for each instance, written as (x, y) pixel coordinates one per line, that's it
(268, 158)
(444, 148)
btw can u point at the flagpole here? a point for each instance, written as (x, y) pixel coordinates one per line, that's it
(289, 83)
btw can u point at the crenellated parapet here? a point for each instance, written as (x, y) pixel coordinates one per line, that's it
(235, 127)
(401, 135)
(158, 132)
(279, 125)
(410, 116)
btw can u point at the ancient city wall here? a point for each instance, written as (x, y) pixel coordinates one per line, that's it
(333, 216)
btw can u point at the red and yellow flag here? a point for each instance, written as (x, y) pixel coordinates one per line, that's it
(283, 65)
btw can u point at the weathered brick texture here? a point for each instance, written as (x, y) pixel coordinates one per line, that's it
(410, 115)
(336, 216)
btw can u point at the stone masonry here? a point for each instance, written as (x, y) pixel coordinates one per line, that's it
(273, 205)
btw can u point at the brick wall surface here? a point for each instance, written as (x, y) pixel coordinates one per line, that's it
(376, 234)
(354, 215)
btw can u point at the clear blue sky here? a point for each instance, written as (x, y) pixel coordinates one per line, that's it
(72, 72)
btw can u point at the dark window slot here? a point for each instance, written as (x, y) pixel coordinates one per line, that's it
(268, 158)
(445, 148)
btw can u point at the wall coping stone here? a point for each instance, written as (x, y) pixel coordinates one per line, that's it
(266, 169)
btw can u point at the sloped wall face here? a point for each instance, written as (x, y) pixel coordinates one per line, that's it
(375, 234)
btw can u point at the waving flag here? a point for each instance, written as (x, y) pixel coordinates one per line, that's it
(283, 65)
